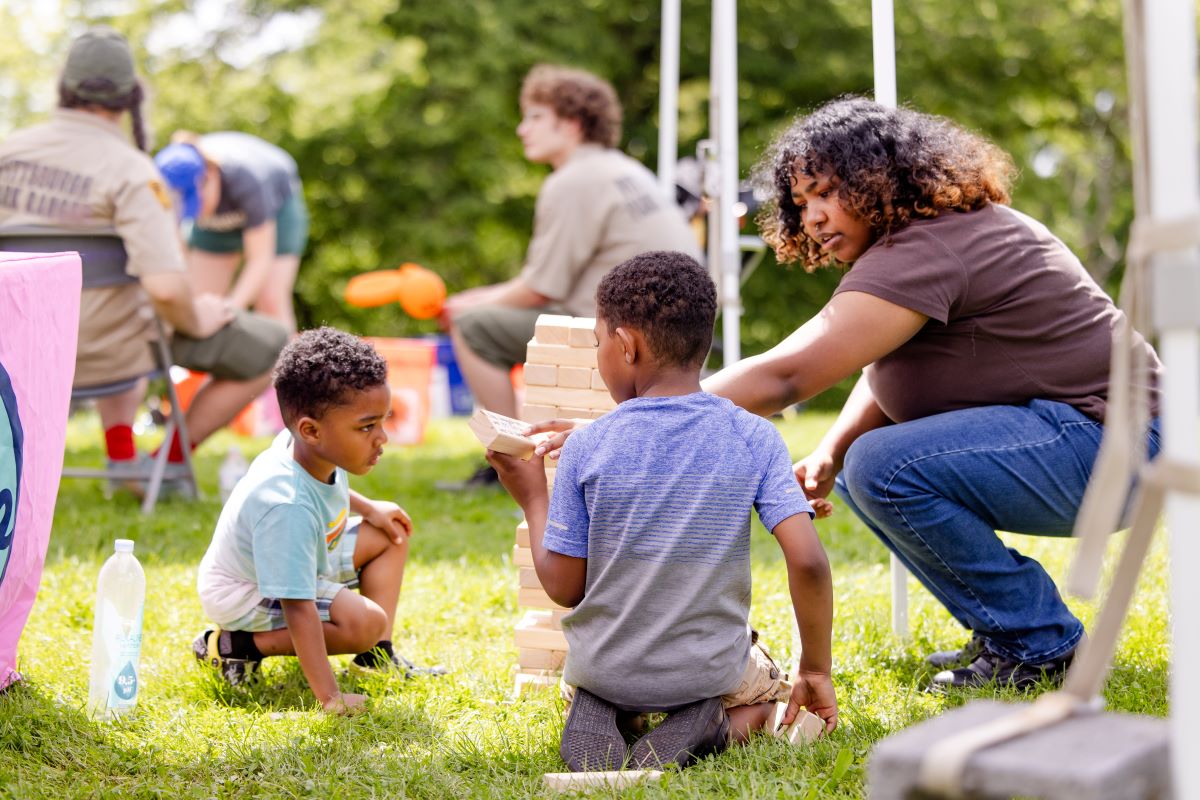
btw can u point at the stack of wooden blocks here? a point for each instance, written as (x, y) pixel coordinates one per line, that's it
(561, 380)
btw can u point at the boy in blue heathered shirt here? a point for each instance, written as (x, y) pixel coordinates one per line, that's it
(276, 578)
(647, 537)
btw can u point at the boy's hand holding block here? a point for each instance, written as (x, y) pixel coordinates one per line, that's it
(805, 728)
(502, 434)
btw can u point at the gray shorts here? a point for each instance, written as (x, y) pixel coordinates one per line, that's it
(243, 349)
(268, 614)
(499, 334)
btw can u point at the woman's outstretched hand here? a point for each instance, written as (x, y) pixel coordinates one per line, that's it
(815, 473)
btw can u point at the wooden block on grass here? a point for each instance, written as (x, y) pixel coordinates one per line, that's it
(552, 329)
(502, 434)
(573, 377)
(575, 781)
(527, 578)
(569, 398)
(560, 354)
(542, 374)
(537, 598)
(522, 556)
(526, 682)
(536, 637)
(530, 658)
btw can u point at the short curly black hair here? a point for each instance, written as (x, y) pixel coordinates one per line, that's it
(895, 165)
(321, 368)
(669, 298)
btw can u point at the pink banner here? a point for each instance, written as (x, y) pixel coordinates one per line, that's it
(39, 323)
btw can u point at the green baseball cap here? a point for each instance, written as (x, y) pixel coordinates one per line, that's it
(100, 66)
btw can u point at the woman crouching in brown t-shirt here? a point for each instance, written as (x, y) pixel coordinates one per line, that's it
(984, 346)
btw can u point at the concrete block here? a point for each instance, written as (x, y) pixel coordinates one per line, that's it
(570, 398)
(560, 354)
(552, 329)
(574, 377)
(1103, 756)
(542, 374)
(582, 332)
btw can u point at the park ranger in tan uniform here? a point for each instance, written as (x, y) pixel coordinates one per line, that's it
(78, 173)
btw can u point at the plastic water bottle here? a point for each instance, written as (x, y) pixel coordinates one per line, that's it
(117, 633)
(231, 471)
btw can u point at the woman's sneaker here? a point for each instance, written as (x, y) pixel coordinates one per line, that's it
(236, 671)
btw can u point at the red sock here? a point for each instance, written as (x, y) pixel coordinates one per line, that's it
(118, 440)
(175, 453)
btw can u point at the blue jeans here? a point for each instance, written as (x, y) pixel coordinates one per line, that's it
(936, 490)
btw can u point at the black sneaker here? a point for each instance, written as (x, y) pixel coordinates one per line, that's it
(591, 741)
(377, 661)
(949, 659)
(990, 668)
(235, 671)
(484, 478)
(685, 736)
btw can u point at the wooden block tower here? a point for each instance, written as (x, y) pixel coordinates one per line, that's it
(561, 380)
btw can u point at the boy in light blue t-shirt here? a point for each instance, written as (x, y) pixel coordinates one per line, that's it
(647, 538)
(286, 551)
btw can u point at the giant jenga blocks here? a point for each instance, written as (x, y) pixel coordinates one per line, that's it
(561, 380)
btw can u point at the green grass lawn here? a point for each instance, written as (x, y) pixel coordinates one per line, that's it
(463, 735)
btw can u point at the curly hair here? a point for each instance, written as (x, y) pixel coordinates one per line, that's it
(579, 95)
(669, 298)
(321, 368)
(894, 165)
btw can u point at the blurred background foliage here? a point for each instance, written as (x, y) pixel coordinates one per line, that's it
(401, 113)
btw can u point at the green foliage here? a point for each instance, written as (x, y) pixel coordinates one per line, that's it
(463, 735)
(401, 113)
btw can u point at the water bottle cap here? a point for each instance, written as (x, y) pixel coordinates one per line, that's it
(123, 545)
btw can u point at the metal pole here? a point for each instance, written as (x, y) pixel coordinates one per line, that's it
(883, 39)
(668, 99)
(724, 83)
(1170, 48)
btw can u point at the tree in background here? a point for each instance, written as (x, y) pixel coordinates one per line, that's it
(401, 113)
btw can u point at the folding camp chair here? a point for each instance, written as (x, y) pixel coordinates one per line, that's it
(104, 260)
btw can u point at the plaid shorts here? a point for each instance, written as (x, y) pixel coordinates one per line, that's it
(268, 614)
(762, 682)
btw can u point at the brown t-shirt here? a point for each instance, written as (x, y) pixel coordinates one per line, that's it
(1013, 317)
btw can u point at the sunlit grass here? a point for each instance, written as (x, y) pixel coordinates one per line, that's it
(463, 735)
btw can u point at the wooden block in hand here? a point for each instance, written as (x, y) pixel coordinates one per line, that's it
(582, 332)
(552, 329)
(502, 434)
(805, 728)
(574, 781)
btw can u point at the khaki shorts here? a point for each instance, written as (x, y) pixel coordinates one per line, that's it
(762, 682)
(243, 349)
(499, 334)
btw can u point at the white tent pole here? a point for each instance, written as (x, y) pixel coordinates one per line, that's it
(883, 39)
(724, 82)
(1170, 48)
(668, 99)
